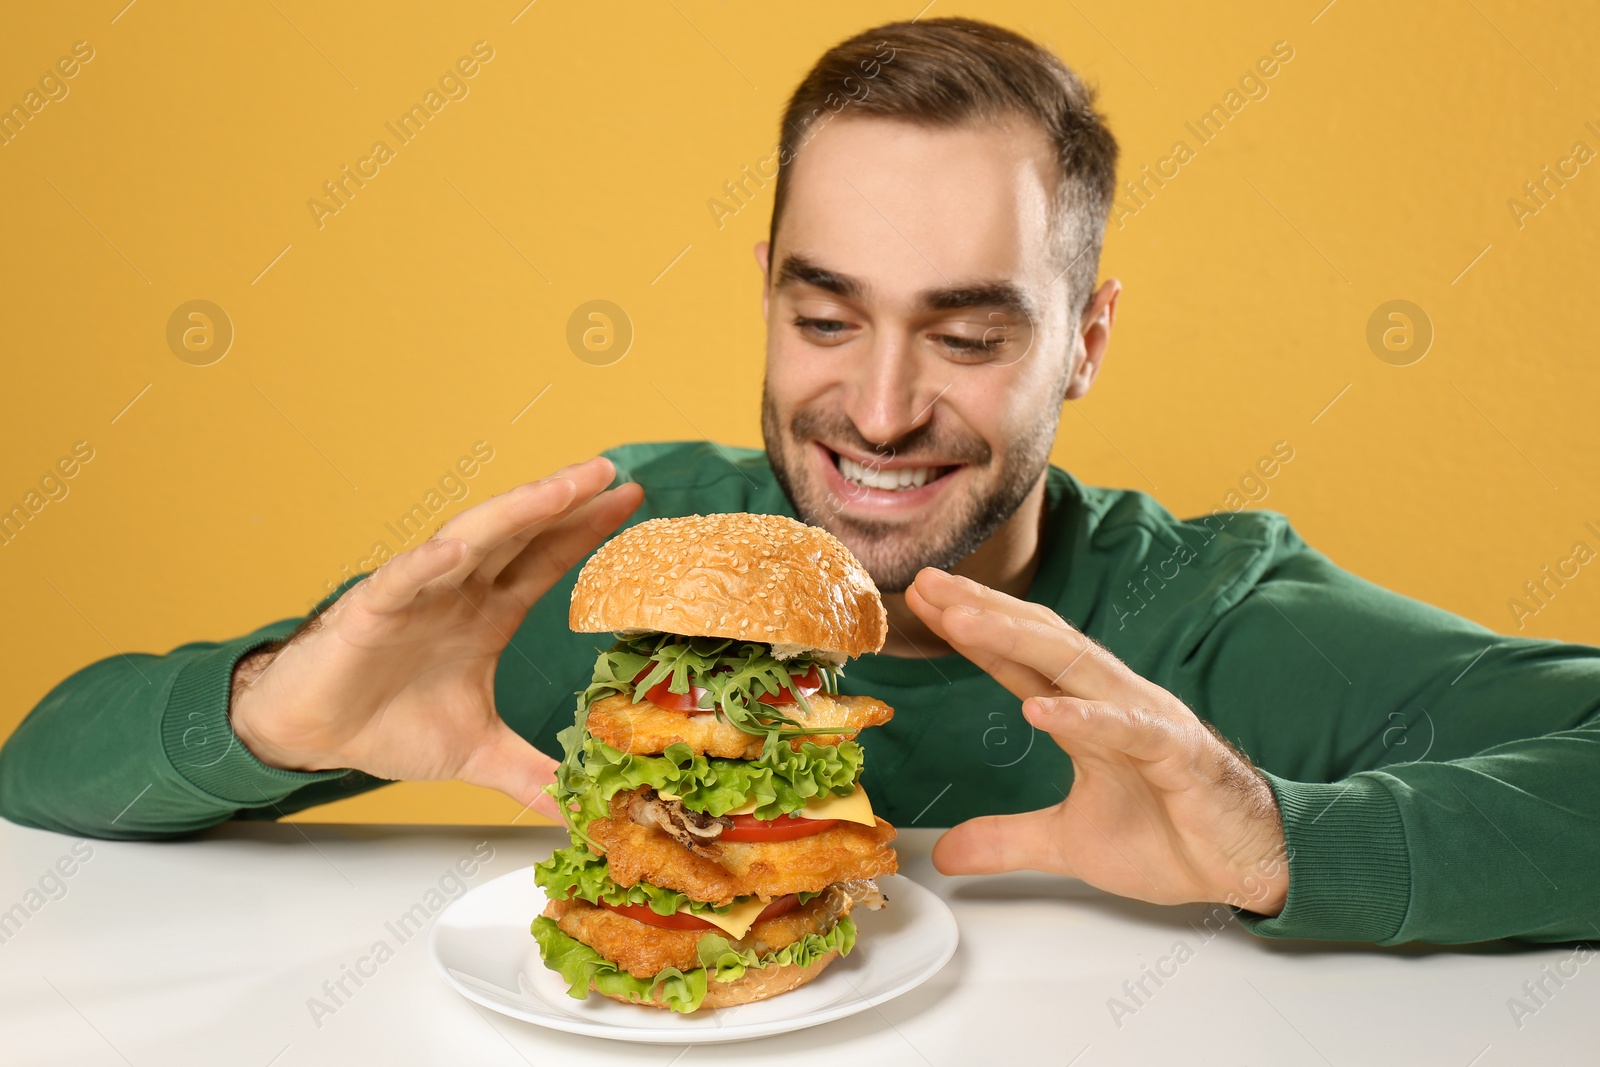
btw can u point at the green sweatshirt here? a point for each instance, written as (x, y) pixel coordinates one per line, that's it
(1438, 781)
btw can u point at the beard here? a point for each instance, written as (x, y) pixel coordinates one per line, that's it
(893, 552)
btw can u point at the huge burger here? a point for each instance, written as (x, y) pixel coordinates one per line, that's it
(711, 780)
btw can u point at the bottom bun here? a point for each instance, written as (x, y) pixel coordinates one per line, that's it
(758, 983)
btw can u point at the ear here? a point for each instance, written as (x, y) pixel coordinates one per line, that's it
(1094, 335)
(763, 252)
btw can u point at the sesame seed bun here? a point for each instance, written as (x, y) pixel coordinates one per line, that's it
(760, 578)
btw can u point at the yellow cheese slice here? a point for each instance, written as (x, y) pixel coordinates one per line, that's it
(738, 919)
(852, 807)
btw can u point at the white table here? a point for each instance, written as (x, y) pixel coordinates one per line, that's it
(208, 951)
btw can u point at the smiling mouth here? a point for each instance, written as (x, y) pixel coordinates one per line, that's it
(890, 479)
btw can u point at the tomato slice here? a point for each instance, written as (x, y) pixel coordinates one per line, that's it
(808, 683)
(645, 914)
(683, 921)
(696, 699)
(783, 828)
(780, 906)
(692, 702)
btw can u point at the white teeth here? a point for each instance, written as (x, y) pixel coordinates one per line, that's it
(877, 478)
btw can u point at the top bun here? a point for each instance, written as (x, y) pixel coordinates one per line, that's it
(760, 578)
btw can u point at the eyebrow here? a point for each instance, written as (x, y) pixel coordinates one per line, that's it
(1004, 295)
(804, 271)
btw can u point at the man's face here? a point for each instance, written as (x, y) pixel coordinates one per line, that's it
(918, 337)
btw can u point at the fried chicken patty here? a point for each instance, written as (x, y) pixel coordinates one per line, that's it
(642, 949)
(766, 869)
(646, 730)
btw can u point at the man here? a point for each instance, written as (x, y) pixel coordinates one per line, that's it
(931, 303)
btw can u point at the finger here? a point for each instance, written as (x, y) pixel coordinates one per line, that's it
(941, 589)
(995, 630)
(396, 584)
(993, 844)
(1134, 731)
(1067, 659)
(931, 614)
(590, 479)
(917, 604)
(1020, 679)
(514, 767)
(490, 524)
(558, 549)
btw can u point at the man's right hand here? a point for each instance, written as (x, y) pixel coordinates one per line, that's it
(396, 677)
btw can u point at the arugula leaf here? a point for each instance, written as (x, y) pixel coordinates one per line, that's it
(577, 872)
(736, 675)
(682, 991)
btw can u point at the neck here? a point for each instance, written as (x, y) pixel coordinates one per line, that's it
(1007, 562)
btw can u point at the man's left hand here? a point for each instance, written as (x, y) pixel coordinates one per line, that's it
(1161, 807)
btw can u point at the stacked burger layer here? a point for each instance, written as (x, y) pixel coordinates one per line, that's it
(711, 779)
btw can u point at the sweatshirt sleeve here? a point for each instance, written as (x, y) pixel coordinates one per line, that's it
(1438, 781)
(140, 746)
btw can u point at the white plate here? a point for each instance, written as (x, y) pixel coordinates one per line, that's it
(480, 945)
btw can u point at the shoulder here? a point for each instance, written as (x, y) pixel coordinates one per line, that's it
(683, 464)
(689, 477)
(1222, 537)
(1156, 575)
(1130, 529)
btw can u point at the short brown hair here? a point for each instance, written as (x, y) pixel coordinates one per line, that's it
(951, 71)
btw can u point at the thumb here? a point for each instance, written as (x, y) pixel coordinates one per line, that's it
(992, 844)
(507, 762)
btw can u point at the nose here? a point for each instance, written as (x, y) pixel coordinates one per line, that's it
(889, 391)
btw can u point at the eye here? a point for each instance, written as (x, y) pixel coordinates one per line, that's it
(821, 331)
(969, 344)
(972, 349)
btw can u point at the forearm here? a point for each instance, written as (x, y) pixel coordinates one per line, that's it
(141, 746)
(1505, 844)
(245, 707)
(1438, 782)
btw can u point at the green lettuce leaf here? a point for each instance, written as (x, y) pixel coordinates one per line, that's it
(726, 963)
(577, 872)
(580, 966)
(682, 991)
(780, 780)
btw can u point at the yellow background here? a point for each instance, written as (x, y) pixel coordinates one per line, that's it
(432, 309)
